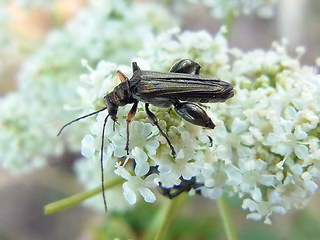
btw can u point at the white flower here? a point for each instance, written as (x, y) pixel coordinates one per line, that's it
(250, 174)
(215, 178)
(283, 140)
(87, 146)
(136, 184)
(169, 172)
(260, 208)
(142, 166)
(235, 139)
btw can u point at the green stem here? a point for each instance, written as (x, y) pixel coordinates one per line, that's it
(228, 23)
(226, 219)
(78, 198)
(167, 215)
(166, 218)
(160, 224)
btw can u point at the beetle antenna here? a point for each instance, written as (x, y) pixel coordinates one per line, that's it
(101, 163)
(79, 118)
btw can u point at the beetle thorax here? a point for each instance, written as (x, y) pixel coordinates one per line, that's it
(120, 96)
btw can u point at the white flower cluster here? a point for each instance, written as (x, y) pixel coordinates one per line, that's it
(222, 9)
(19, 151)
(31, 117)
(265, 146)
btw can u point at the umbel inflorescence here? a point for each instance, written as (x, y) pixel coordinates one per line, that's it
(264, 148)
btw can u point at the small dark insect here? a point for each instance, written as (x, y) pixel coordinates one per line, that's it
(179, 88)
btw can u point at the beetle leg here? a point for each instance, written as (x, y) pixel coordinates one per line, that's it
(135, 67)
(193, 113)
(186, 66)
(122, 76)
(184, 186)
(154, 120)
(131, 115)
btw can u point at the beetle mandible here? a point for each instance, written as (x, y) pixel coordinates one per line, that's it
(179, 88)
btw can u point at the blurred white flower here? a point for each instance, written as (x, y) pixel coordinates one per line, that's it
(223, 9)
(32, 115)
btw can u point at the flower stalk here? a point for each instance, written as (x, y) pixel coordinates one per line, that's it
(78, 198)
(166, 216)
(226, 219)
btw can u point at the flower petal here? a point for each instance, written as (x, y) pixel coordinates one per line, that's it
(147, 194)
(129, 195)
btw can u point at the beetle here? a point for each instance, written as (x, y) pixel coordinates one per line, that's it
(181, 88)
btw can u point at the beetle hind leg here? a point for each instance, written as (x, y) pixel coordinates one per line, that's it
(186, 66)
(192, 113)
(154, 120)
